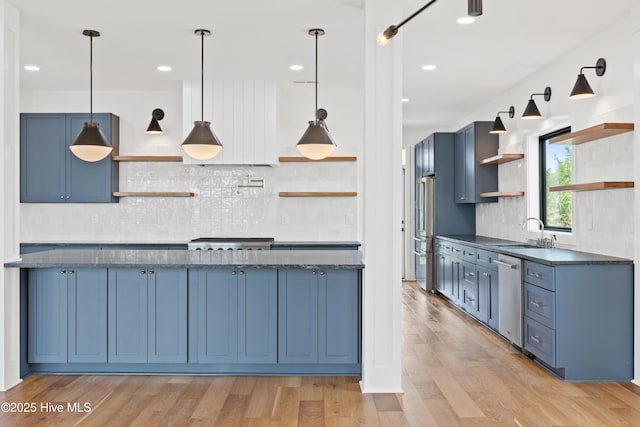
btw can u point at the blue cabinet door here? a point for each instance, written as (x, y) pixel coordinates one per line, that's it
(339, 316)
(127, 319)
(297, 316)
(488, 293)
(167, 321)
(47, 316)
(89, 182)
(42, 158)
(459, 167)
(87, 321)
(217, 316)
(257, 316)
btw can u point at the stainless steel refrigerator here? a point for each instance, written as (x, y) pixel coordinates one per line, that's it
(423, 238)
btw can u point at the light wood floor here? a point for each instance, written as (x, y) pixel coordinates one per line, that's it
(455, 373)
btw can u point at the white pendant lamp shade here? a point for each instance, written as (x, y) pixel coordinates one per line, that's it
(316, 143)
(91, 145)
(202, 143)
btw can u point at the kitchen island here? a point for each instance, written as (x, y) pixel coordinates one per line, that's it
(291, 312)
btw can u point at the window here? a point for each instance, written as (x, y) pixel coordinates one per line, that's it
(555, 169)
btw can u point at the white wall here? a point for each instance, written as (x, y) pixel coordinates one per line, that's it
(217, 210)
(603, 221)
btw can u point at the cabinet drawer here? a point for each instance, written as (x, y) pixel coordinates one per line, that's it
(469, 298)
(539, 274)
(485, 258)
(540, 340)
(539, 304)
(469, 253)
(456, 250)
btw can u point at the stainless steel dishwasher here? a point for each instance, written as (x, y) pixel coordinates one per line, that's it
(510, 298)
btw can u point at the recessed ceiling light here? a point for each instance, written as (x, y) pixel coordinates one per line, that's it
(164, 68)
(296, 67)
(429, 67)
(405, 100)
(466, 20)
(32, 68)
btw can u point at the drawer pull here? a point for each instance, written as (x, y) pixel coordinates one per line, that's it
(536, 339)
(72, 271)
(456, 250)
(233, 273)
(143, 272)
(486, 274)
(536, 304)
(313, 272)
(241, 273)
(322, 272)
(63, 271)
(536, 274)
(469, 299)
(151, 272)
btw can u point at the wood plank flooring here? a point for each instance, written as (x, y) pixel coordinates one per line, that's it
(455, 373)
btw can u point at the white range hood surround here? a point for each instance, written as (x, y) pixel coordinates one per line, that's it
(243, 116)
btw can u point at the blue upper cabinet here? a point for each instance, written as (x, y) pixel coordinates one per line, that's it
(50, 173)
(474, 143)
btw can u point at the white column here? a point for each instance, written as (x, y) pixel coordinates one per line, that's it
(9, 196)
(636, 168)
(382, 202)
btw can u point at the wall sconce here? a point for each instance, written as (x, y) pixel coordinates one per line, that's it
(532, 112)
(154, 126)
(582, 89)
(498, 126)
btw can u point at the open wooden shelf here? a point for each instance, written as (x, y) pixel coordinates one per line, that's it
(318, 194)
(503, 194)
(501, 158)
(326, 159)
(604, 185)
(591, 134)
(147, 158)
(152, 194)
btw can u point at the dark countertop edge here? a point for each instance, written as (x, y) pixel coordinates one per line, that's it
(301, 243)
(505, 250)
(315, 243)
(20, 264)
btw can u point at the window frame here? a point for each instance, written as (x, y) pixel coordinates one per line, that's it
(542, 165)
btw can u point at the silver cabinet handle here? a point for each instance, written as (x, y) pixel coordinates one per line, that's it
(241, 273)
(143, 272)
(62, 197)
(535, 339)
(419, 253)
(321, 272)
(63, 271)
(486, 274)
(72, 271)
(419, 239)
(456, 250)
(536, 304)
(536, 274)
(505, 264)
(233, 273)
(151, 272)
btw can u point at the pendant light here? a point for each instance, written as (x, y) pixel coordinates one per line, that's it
(532, 112)
(202, 143)
(582, 88)
(91, 145)
(498, 126)
(154, 126)
(316, 143)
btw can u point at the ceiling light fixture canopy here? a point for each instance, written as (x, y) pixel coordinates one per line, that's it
(202, 143)
(154, 126)
(91, 145)
(582, 89)
(316, 143)
(498, 126)
(532, 112)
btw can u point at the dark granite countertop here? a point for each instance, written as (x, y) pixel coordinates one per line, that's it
(314, 243)
(549, 256)
(189, 259)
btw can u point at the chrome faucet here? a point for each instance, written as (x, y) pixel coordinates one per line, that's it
(541, 241)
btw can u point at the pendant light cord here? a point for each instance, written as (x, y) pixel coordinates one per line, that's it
(202, 76)
(91, 80)
(316, 111)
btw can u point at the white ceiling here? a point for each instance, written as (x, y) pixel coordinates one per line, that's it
(261, 39)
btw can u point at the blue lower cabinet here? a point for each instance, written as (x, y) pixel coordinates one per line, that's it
(338, 310)
(87, 320)
(47, 317)
(488, 293)
(127, 301)
(233, 316)
(319, 316)
(298, 316)
(257, 316)
(167, 315)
